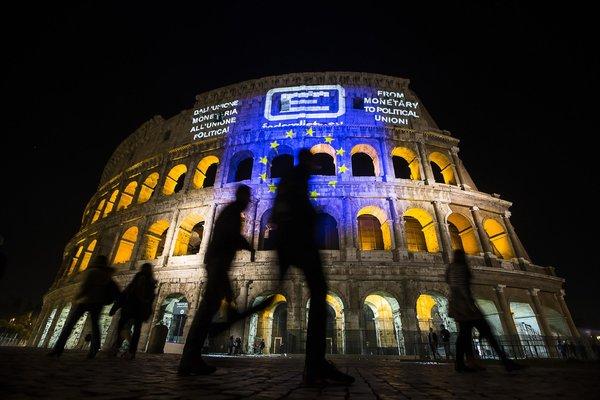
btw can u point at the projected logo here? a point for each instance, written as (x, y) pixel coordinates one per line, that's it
(319, 101)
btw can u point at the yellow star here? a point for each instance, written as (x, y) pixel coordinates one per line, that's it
(263, 176)
(340, 152)
(314, 194)
(343, 168)
(309, 131)
(272, 188)
(328, 139)
(264, 160)
(274, 145)
(332, 183)
(289, 134)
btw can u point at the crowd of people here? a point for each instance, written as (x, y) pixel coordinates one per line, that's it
(295, 219)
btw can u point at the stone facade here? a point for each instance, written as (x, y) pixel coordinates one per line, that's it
(388, 280)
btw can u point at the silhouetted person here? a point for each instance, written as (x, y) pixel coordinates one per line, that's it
(97, 289)
(225, 242)
(135, 303)
(464, 310)
(238, 345)
(261, 346)
(432, 338)
(445, 335)
(295, 220)
(230, 345)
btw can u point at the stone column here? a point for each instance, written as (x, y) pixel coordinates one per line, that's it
(541, 318)
(457, 171)
(428, 178)
(508, 323)
(251, 212)
(514, 240)
(488, 252)
(444, 232)
(208, 228)
(350, 231)
(560, 298)
(139, 243)
(400, 248)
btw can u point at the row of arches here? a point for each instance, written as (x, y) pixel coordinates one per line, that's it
(365, 162)
(374, 232)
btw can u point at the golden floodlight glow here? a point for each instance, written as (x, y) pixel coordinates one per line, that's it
(498, 238)
(201, 169)
(126, 246)
(411, 159)
(445, 165)
(427, 226)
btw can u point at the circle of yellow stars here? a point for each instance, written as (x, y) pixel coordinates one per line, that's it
(290, 134)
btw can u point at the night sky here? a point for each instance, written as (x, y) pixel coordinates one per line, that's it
(517, 85)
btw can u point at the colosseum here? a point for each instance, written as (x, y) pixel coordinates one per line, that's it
(394, 200)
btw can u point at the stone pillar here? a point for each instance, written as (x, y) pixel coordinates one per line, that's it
(173, 227)
(386, 171)
(457, 171)
(428, 178)
(508, 323)
(139, 243)
(514, 240)
(560, 298)
(208, 228)
(488, 252)
(444, 232)
(400, 247)
(350, 231)
(541, 317)
(253, 239)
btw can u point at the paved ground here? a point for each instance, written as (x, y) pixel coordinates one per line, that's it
(27, 373)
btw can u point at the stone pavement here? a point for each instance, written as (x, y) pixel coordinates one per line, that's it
(28, 373)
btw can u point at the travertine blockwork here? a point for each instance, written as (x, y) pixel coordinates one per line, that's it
(394, 200)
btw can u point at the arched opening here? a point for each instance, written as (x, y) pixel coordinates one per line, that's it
(462, 234)
(173, 314)
(189, 237)
(442, 168)
(75, 259)
(98, 211)
(240, 167)
(126, 245)
(365, 161)
(268, 232)
(127, 196)
(335, 335)
(432, 312)
(148, 187)
(89, 251)
(155, 239)
(269, 325)
(528, 329)
(281, 165)
(381, 325)
(406, 164)
(205, 173)
(175, 179)
(418, 227)
(490, 312)
(327, 232)
(374, 231)
(498, 239)
(60, 323)
(47, 326)
(110, 203)
(324, 159)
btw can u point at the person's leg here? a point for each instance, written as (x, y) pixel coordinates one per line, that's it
(191, 359)
(464, 347)
(95, 317)
(317, 314)
(486, 332)
(135, 338)
(72, 319)
(123, 319)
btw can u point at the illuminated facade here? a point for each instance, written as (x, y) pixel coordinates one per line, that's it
(394, 200)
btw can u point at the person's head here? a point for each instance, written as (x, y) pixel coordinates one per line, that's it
(100, 261)
(147, 269)
(306, 159)
(442, 326)
(430, 329)
(242, 196)
(459, 257)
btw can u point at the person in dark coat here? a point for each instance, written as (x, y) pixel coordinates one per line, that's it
(97, 289)
(464, 310)
(225, 242)
(433, 340)
(135, 303)
(295, 220)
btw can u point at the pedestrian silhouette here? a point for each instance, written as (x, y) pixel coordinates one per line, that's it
(135, 303)
(230, 345)
(295, 220)
(464, 310)
(432, 338)
(445, 335)
(225, 242)
(97, 289)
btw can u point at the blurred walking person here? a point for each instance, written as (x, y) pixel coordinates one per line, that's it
(445, 335)
(135, 303)
(464, 310)
(433, 340)
(97, 289)
(295, 220)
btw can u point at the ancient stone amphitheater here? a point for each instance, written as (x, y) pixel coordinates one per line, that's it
(394, 200)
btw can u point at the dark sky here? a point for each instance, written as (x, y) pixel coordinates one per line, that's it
(517, 84)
